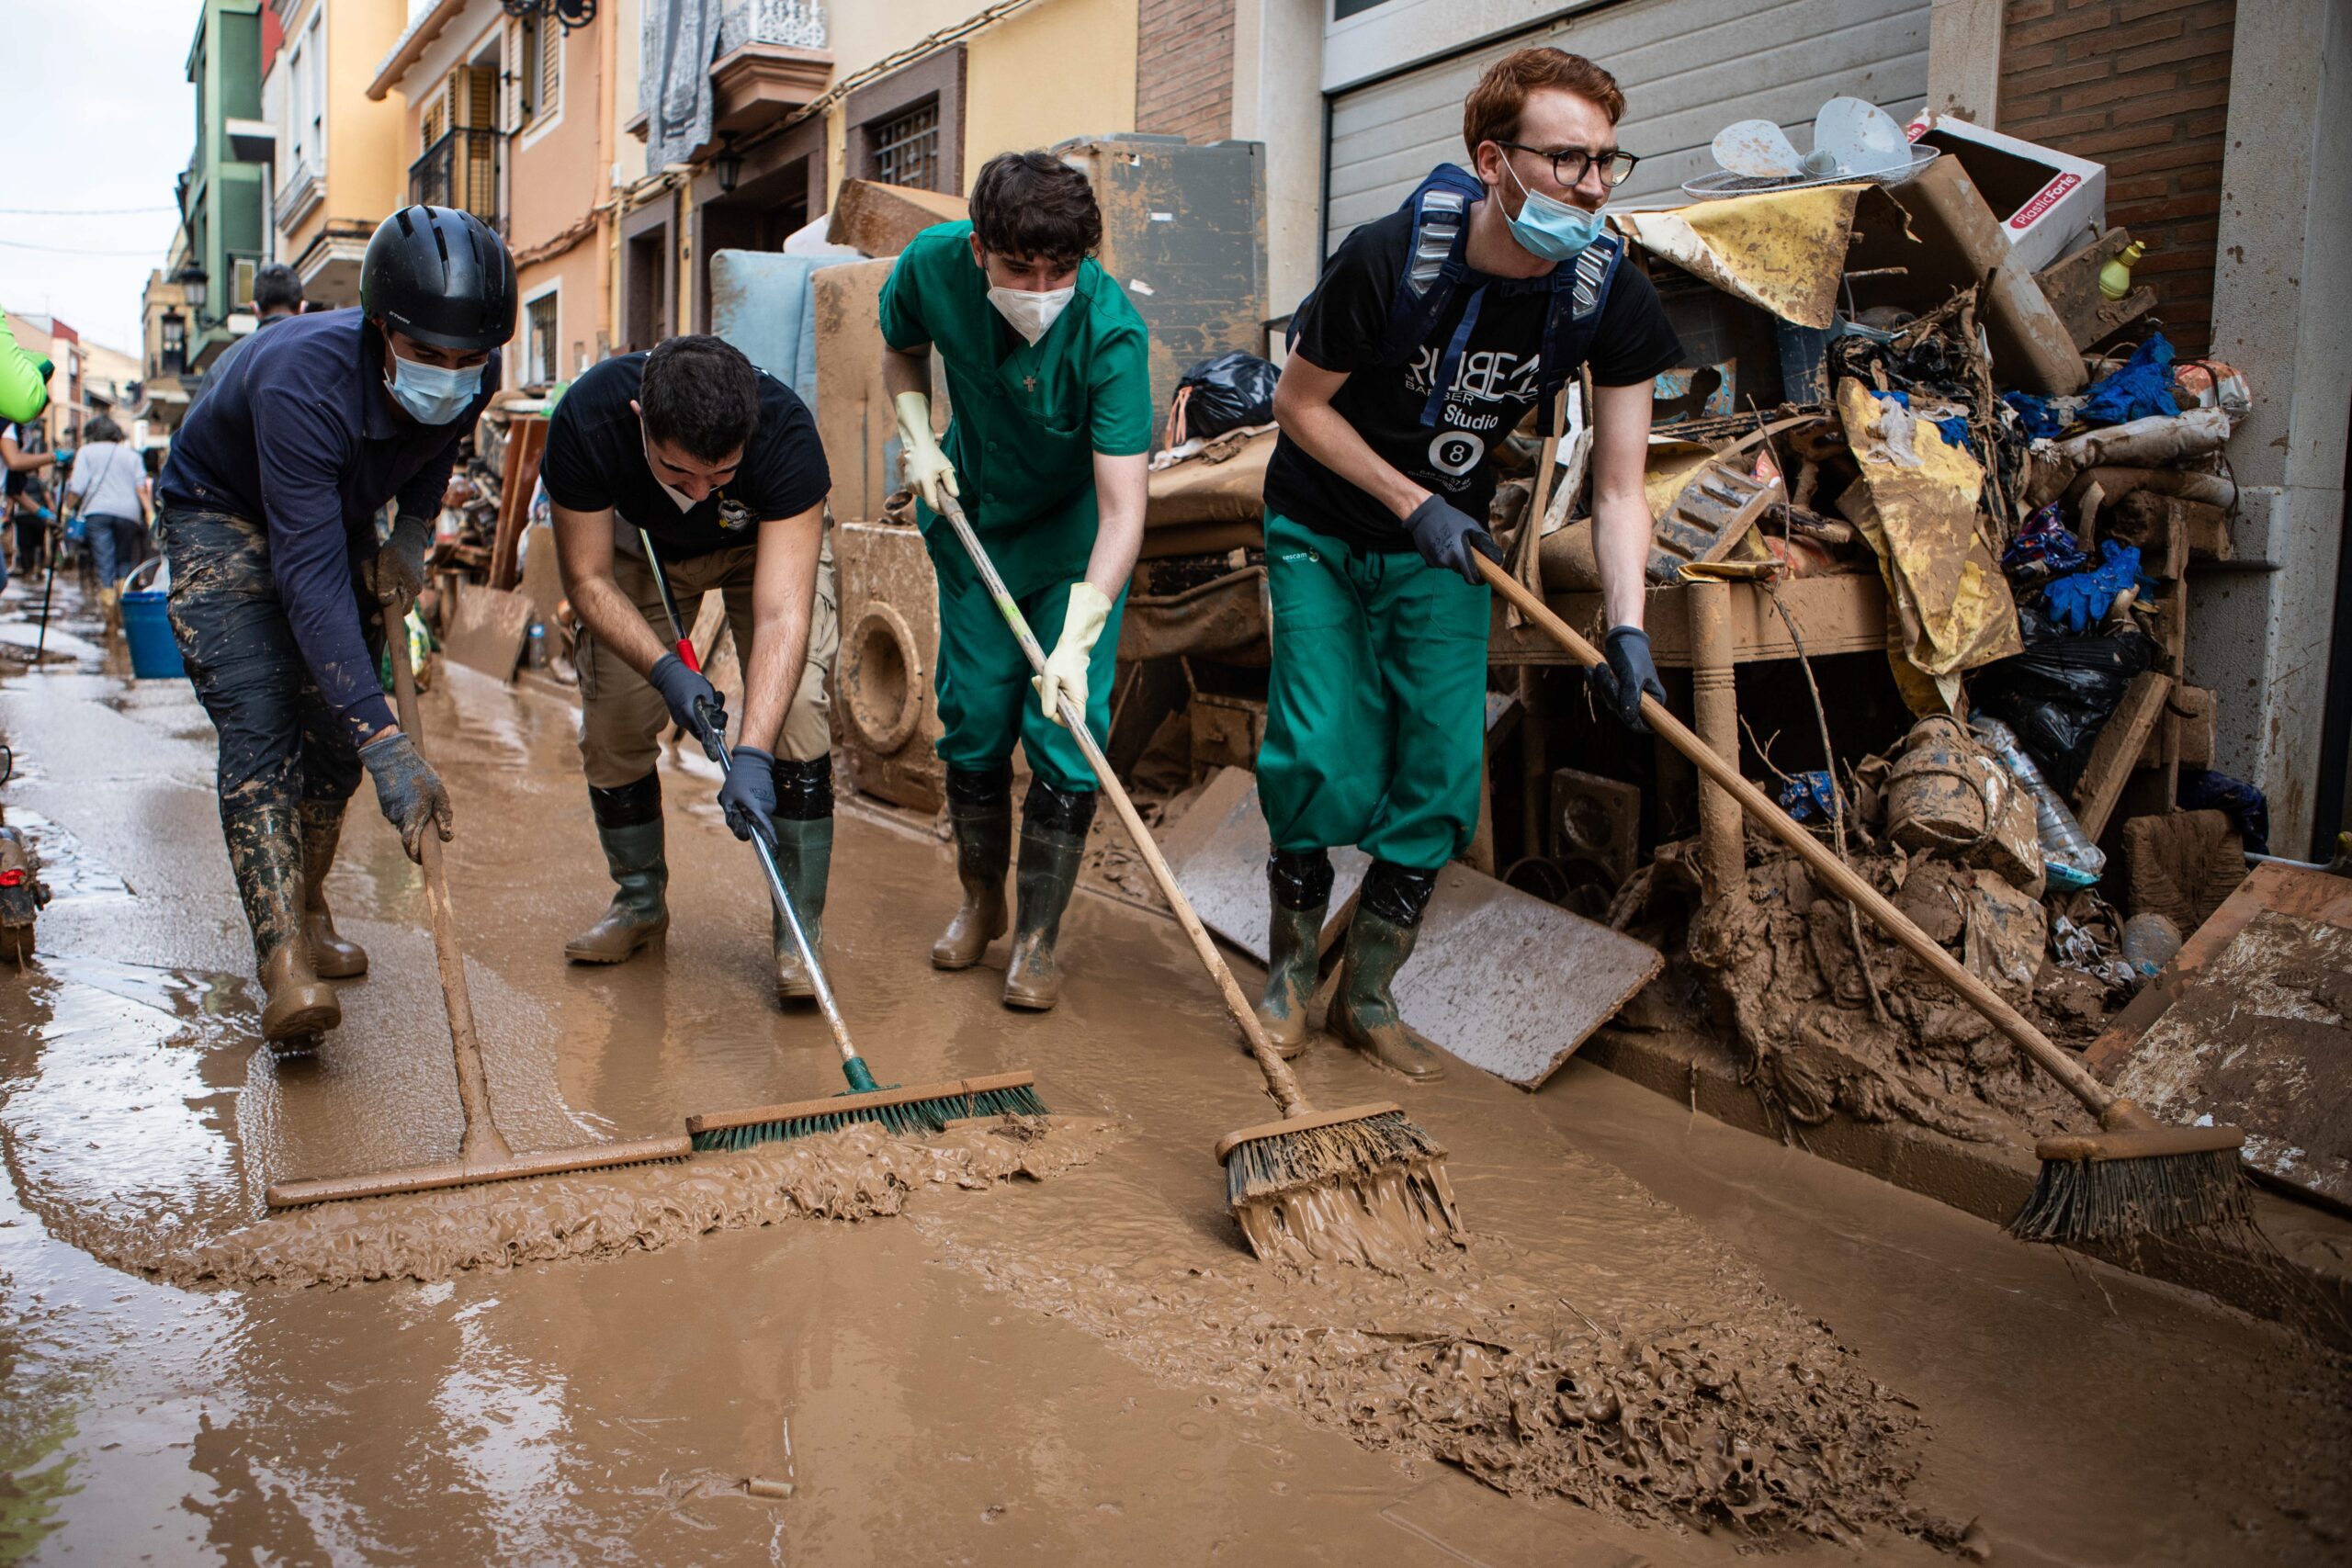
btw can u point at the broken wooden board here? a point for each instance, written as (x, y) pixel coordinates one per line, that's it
(1709, 518)
(1510, 984)
(2118, 748)
(1218, 849)
(2262, 1040)
(2289, 890)
(2071, 285)
(485, 630)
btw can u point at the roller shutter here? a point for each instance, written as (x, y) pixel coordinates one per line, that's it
(1688, 68)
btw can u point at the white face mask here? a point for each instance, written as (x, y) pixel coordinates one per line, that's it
(678, 497)
(1031, 314)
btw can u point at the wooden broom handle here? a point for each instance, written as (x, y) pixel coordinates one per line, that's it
(1280, 1079)
(482, 1141)
(1847, 882)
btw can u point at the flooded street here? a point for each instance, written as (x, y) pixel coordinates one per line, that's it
(1667, 1342)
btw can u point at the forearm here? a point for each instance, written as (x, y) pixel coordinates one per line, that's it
(779, 654)
(583, 557)
(1122, 488)
(1326, 437)
(1621, 548)
(903, 371)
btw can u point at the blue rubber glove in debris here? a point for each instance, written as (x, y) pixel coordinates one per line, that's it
(2082, 601)
(409, 793)
(686, 689)
(749, 794)
(1445, 535)
(1628, 674)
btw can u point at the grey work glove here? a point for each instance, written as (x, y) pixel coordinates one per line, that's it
(1629, 672)
(397, 574)
(749, 794)
(411, 794)
(687, 691)
(1445, 535)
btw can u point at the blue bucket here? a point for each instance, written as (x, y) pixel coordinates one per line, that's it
(155, 654)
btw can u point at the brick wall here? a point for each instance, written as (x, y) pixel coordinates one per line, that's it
(2142, 87)
(1184, 68)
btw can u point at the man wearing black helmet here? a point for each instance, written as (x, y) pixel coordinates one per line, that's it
(269, 504)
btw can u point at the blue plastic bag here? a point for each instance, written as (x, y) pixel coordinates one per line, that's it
(2034, 415)
(1808, 795)
(2044, 547)
(2141, 388)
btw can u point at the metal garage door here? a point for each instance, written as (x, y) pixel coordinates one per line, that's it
(1688, 68)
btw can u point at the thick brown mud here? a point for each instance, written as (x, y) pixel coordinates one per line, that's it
(1056, 1346)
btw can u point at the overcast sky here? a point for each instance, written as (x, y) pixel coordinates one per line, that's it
(102, 86)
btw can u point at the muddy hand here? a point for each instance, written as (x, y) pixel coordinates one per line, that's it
(397, 574)
(409, 791)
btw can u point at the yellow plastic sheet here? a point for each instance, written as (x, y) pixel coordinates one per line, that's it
(1948, 605)
(1782, 250)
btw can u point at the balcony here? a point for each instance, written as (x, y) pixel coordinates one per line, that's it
(461, 171)
(299, 196)
(771, 60)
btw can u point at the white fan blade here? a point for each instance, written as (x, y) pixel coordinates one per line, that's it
(1757, 149)
(1862, 137)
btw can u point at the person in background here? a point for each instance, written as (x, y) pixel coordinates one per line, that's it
(278, 296)
(105, 482)
(1047, 368)
(20, 463)
(1431, 335)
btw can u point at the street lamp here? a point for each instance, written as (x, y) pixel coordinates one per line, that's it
(570, 13)
(729, 163)
(194, 286)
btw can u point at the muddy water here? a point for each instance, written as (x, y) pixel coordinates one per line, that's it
(989, 1369)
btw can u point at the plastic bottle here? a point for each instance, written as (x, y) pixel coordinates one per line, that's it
(2115, 278)
(2068, 856)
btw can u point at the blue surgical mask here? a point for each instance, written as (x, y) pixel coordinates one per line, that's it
(1550, 227)
(432, 394)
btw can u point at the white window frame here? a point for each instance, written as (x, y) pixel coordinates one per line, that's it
(526, 375)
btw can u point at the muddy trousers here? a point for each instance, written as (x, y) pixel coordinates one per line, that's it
(1375, 704)
(284, 754)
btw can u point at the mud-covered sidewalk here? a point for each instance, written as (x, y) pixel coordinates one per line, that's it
(1667, 1342)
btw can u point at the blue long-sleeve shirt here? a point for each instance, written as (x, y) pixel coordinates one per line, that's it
(298, 431)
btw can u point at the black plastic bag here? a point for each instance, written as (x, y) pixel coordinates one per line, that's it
(2058, 693)
(1230, 392)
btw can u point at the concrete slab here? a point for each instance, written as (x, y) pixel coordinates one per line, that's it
(1218, 850)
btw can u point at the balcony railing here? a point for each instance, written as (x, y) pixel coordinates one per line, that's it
(461, 171)
(800, 24)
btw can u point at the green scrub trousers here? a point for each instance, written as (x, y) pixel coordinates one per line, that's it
(1376, 702)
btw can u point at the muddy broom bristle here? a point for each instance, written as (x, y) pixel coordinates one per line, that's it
(921, 1110)
(1363, 1185)
(2135, 1178)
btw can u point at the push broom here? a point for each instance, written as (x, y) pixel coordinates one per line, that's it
(482, 1153)
(2135, 1177)
(923, 1108)
(1358, 1183)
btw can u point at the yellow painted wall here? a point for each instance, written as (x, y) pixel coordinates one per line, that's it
(366, 173)
(1061, 68)
(556, 178)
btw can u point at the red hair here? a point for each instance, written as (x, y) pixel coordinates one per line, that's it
(1491, 111)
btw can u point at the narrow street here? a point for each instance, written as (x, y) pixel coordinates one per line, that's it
(1091, 1367)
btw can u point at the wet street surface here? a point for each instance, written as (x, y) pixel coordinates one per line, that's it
(999, 1369)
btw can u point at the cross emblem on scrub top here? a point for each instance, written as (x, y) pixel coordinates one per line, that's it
(1028, 383)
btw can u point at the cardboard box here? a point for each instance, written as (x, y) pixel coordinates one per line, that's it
(855, 418)
(881, 218)
(2049, 204)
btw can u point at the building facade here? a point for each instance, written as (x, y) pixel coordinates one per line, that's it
(225, 193)
(337, 167)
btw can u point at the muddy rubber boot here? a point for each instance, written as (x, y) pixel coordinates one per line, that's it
(265, 843)
(332, 956)
(629, 824)
(1299, 887)
(979, 809)
(804, 856)
(1053, 842)
(1380, 939)
(299, 1006)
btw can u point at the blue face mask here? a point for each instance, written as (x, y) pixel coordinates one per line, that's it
(431, 394)
(1550, 227)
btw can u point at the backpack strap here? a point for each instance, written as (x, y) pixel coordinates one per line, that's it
(1434, 263)
(1579, 291)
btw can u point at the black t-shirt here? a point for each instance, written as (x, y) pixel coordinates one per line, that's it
(596, 459)
(1340, 328)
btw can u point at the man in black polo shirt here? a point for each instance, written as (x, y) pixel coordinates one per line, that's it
(719, 463)
(269, 504)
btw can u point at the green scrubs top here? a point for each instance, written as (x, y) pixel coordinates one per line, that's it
(1027, 420)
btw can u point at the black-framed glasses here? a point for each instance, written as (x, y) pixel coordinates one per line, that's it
(1569, 165)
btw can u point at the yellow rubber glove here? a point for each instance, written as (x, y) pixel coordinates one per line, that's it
(927, 466)
(1065, 673)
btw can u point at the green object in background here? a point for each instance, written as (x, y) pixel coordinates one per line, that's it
(420, 645)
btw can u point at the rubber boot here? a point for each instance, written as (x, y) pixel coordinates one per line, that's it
(979, 809)
(331, 957)
(629, 824)
(1299, 889)
(1380, 939)
(265, 853)
(804, 855)
(1053, 841)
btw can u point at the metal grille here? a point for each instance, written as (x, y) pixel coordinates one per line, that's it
(460, 170)
(906, 148)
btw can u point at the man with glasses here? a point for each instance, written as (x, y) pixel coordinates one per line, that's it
(1431, 334)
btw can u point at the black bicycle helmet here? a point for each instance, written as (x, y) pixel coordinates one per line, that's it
(441, 277)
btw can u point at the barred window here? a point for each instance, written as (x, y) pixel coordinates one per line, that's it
(539, 367)
(906, 147)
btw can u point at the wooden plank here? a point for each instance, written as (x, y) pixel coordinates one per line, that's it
(2118, 747)
(486, 630)
(526, 442)
(2071, 285)
(1845, 613)
(2292, 890)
